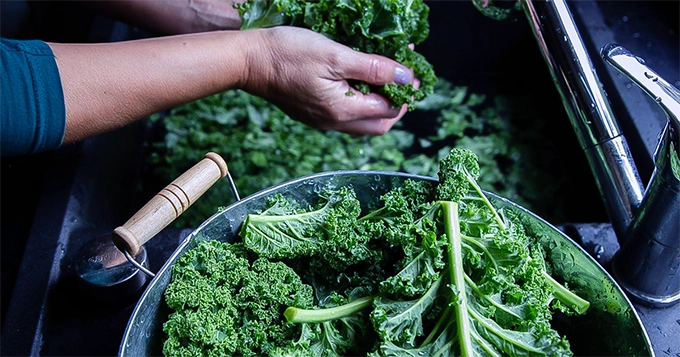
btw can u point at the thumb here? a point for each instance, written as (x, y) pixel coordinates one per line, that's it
(376, 70)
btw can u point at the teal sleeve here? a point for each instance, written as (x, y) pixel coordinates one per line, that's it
(33, 112)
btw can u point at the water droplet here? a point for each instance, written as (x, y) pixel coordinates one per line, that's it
(624, 19)
(636, 35)
(649, 44)
(628, 85)
(377, 177)
(658, 99)
(566, 38)
(599, 251)
(649, 75)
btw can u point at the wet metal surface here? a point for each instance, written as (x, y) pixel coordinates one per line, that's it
(662, 324)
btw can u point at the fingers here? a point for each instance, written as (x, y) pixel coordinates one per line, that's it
(373, 127)
(371, 113)
(316, 89)
(374, 69)
(368, 126)
(378, 115)
(368, 114)
(366, 106)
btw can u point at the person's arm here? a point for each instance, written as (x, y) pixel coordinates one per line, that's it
(107, 86)
(172, 17)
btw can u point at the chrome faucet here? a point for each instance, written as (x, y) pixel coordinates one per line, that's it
(646, 220)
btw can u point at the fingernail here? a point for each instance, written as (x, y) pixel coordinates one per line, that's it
(402, 75)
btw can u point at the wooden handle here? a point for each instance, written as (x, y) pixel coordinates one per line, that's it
(168, 204)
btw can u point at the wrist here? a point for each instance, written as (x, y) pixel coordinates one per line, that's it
(258, 61)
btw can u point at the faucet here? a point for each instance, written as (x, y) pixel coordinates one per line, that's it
(646, 220)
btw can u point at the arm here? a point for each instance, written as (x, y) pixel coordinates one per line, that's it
(107, 86)
(172, 17)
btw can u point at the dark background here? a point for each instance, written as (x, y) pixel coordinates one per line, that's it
(51, 203)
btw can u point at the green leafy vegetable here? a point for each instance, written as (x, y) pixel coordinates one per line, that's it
(330, 231)
(437, 270)
(384, 27)
(494, 295)
(675, 162)
(225, 305)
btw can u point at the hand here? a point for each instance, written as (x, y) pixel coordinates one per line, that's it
(305, 74)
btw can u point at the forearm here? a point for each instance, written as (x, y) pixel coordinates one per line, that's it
(172, 17)
(107, 86)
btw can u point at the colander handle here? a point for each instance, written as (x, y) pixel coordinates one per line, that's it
(170, 203)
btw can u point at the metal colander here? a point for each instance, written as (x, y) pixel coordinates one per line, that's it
(611, 327)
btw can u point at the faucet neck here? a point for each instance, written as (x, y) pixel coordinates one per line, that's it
(588, 109)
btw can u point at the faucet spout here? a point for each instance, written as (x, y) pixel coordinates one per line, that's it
(634, 67)
(588, 109)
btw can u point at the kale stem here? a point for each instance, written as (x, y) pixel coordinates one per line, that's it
(474, 241)
(567, 297)
(294, 314)
(455, 257)
(491, 301)
(486, 201)
(372, 214)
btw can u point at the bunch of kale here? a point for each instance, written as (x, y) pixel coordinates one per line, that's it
(384, 27)
(436, 270)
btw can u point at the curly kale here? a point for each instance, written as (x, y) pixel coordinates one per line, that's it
(493, 296)
(330, 232)
(384, 27)
(225, 305)
(437, 270)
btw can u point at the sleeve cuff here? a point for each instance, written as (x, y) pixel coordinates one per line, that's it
(34, 113)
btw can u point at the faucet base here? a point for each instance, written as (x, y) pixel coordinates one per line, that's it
(638, 295)
(646, 299)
